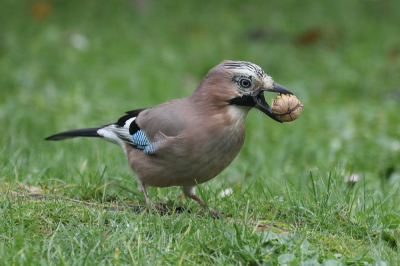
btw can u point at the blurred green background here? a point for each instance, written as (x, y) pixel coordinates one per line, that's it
(72, 64)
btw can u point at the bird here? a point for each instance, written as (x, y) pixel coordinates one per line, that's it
(189, 141)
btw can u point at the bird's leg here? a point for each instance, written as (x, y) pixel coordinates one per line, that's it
(157, 206)
(190, 192)
(143, 188)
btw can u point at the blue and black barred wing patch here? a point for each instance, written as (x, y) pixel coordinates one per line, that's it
(140, 139)
(127, 130)
(143, 143)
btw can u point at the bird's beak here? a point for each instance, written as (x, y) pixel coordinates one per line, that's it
(263, 106)
(280, 89)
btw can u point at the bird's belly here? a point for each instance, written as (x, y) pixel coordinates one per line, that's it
(188, 167)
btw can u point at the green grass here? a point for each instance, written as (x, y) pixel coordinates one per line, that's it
(87, 62)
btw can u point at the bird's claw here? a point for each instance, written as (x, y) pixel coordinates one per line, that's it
(213, 212)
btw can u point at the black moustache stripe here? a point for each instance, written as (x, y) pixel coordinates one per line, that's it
(243, 101)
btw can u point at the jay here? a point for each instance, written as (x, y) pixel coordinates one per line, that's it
(189, 141)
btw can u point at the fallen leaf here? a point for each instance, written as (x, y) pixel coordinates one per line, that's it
(41, 9)
(309, 36)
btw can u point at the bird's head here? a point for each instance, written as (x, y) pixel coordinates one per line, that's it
(242, 84)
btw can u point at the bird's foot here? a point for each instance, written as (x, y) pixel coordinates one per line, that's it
(213, 212)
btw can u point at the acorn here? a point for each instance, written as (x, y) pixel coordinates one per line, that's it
(286, 107)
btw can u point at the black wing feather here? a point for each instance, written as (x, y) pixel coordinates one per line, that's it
(130, 114)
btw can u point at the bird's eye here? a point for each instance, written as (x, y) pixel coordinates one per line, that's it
(245, 83)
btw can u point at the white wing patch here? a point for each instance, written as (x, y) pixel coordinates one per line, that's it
(110, 136)
(129, 122)
(116, 134)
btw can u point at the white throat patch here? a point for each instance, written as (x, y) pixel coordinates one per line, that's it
(238, 113)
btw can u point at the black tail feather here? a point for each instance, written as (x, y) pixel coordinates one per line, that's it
(83, 132)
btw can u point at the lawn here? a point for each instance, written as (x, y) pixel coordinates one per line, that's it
(73, 64)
